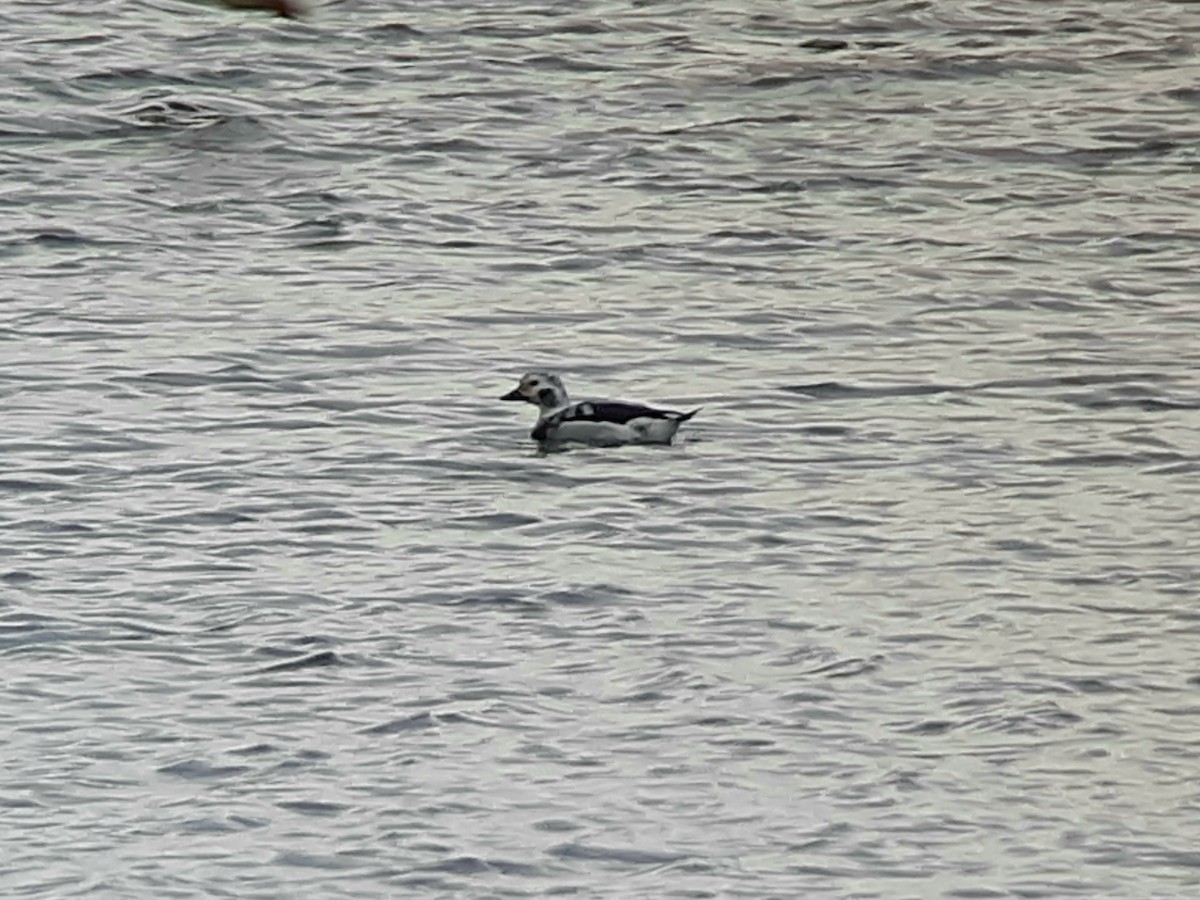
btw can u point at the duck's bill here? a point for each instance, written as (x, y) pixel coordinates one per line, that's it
(514, 394)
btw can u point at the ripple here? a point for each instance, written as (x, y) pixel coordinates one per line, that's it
(910, 606)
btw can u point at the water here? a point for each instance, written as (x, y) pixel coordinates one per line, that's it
(289, 604)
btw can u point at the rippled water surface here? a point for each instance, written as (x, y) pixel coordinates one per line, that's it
(290, 606)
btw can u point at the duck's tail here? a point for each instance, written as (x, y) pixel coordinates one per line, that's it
(683, 417)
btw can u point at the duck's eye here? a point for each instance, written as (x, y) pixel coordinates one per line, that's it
(533, 383)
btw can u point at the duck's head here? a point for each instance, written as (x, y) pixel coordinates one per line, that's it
(542, 389)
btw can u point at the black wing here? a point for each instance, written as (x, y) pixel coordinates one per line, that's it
(608, 411)
(617, 413)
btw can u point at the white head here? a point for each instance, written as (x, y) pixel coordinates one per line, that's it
(542, 389)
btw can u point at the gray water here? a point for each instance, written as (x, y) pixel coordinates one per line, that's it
(291, 607)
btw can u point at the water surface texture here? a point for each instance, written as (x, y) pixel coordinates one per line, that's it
(291, 607)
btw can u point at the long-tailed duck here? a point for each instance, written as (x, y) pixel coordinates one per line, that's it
(604, 423)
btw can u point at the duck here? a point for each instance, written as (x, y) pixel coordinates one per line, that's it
(599, 423)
